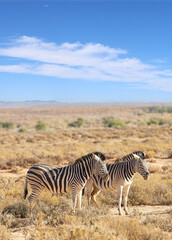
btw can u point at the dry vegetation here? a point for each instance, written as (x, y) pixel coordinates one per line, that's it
(62, 141)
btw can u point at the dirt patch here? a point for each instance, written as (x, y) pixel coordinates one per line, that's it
(8, 173)
(144, 211)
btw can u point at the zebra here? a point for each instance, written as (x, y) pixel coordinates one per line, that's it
(120, 176)
(65, 179)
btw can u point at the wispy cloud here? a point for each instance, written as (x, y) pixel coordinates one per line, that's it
(90, 61)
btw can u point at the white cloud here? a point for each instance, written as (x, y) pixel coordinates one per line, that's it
(90, 61)
(15, 69)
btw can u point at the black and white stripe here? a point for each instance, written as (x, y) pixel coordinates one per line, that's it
(120, 176)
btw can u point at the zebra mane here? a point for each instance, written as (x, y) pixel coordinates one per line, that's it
(83, 158)
(127, 157)
(90, 155)
(100, 155)
(142, 155)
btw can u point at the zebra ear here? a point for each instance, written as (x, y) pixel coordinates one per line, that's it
(136, 157)
(100, 155)
(95, 157)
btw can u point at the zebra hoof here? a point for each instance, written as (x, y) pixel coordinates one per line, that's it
(120, 213)
(126, 212)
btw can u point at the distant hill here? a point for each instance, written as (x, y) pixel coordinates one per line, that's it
(38, 103)
(31, 104)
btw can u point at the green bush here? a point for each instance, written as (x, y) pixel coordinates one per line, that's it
(78, 123)
(111, 122)
(158, 109)
(22, 130)
(40, 126)
(163, 121)
(6, 125)
(158, 121)
(169, 109)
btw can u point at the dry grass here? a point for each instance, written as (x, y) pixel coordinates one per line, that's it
(59, 222)
(59, 146)
(164, 224)
(3, 233)
(106, 228)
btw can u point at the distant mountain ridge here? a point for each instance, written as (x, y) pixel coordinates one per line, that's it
(35, 103)
(53, 103)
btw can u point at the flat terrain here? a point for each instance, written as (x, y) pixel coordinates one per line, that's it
(113, 130)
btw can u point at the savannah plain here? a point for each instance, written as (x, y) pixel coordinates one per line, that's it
(66, 133)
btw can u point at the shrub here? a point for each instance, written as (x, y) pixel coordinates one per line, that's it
(7, 125)
(158, 121)
(40, 126)
(169, 109)
(158, 109)
(154, 109)
(152, 121)
(111, 122)
(18, 210)
(22, 130)
(78, 123)
(163, 122)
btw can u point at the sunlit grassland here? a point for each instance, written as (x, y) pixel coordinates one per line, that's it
(60, 145)
(54, 214)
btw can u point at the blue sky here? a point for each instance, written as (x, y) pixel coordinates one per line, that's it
(86, 51)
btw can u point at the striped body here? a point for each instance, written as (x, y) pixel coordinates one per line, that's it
(122, 171)
(120, 177)
(62, 180)
(56, 180)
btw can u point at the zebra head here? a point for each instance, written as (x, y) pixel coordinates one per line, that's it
(141, 166)
(99, 167)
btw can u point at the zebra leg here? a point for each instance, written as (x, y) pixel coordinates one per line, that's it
(88, 187)
(119, 193)
(32, 214)
(94, 193)
(74, 199)
(125, 192)
(32, 199)
(79, 196)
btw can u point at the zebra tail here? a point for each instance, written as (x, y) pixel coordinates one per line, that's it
(83, 191)
(25, 190)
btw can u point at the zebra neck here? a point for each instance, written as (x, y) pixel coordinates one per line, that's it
(130, 169)
(132, 164)
(88, 168)
(84, 169)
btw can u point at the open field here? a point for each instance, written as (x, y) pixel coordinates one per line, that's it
(113, 130)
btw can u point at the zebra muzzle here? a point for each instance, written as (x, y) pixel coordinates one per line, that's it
(146, 176)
